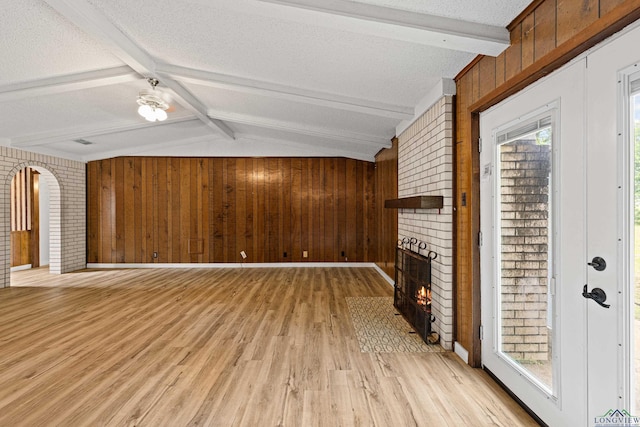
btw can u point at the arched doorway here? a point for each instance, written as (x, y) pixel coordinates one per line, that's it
(54, 233)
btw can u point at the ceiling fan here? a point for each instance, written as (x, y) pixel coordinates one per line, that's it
(153, 104)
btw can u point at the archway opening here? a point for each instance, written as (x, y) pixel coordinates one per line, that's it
(32, 220)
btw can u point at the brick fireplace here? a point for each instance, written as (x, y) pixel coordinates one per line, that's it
(425, 167)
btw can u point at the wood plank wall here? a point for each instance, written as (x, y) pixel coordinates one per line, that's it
(24, 221)
(20, 196)
(546, 35)
(20, 248)
(209, 209)
(387, 188)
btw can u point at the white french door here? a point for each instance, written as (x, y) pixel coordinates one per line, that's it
(534, 246)
(557, 218)
(610, 228)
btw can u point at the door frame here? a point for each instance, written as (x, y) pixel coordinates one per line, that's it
(622, 206)
(469, 107)
(625, 176)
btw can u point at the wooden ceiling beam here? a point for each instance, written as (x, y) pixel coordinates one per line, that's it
(67, 83)
(272, 90)
(416, 27)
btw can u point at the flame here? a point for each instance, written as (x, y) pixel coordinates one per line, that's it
(421, 296)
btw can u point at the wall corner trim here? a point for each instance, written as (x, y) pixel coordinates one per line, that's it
(445, 87)
(461, 352)
(384, 275)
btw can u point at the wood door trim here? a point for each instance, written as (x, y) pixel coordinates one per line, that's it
(34, 181)
(606, 26)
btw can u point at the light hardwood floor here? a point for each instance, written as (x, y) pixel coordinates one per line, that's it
(250, 347)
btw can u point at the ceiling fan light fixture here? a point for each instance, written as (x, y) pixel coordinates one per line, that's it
(150, 118)
(151, 105)
(145, 110)
(161, 115)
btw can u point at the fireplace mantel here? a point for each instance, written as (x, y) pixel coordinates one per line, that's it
(415, 202)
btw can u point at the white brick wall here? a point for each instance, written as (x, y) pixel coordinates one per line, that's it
(425, 167)
(66, 181)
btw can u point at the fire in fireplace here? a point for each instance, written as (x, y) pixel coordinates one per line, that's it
(423, 297)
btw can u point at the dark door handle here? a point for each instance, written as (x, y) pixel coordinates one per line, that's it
(598, 263)
(597, 294)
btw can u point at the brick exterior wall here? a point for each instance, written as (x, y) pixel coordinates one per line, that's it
(67, 182)
(524, 171)
(425, 167)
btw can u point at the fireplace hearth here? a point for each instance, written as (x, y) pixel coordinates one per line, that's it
(412, 289)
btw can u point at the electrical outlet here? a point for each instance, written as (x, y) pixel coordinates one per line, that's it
(305, 254)
(284, 255)
(243, 254)
(155, 254)
(342, 253)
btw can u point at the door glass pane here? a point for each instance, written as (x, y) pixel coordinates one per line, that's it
(525, 326)
(635, 104)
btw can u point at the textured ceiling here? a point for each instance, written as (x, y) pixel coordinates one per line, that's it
(36, 42)
(245, 77)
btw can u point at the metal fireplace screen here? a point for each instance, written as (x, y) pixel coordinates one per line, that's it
(412, 290)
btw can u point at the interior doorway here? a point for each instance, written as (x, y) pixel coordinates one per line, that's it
(29, 204)
(32, 219)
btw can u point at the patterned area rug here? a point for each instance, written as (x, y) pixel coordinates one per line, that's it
(381, 330)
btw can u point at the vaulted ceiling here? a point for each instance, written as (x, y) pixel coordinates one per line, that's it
(244, 77)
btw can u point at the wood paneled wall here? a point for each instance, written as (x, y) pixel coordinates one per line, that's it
(25, 218)
(20, 196)
(387, 188)
(209, 209)
(20, 248)
(545, 36)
